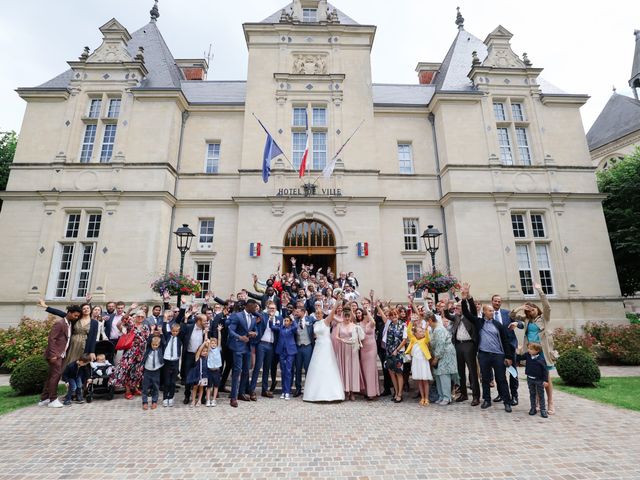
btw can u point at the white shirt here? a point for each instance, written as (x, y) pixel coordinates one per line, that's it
(248, 319)
(115, 333)
(171, 351)
(268, 333)
(64, 354)
(153, 362)
(196, 339)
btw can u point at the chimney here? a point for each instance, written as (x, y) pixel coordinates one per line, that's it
(427, 72)
(193, 69)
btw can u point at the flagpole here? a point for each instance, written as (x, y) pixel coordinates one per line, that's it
(340, 149)
(265, 129)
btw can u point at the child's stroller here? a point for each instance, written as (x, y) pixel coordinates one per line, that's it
(98, 382)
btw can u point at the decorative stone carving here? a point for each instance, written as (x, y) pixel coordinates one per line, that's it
(310, 65)
(499, 52)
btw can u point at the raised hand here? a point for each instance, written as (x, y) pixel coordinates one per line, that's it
(88, 298)
(371, 293)
(255, 277)
(166, 295)
(41, 303)
(133, 306)
(537, 286)
(293, 261)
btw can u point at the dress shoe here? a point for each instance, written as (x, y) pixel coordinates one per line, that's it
(485, 404)
(297, 393)
(272, 388)
(244, 397)
(385, 393)
(514, 401)
(462, 398)
(497, 399)
(154, 406)
(532, 411)
(145, 406)
(544, 414)
(233, 402)
(267, 394)
(186, 401)
(253, 397)
(507, 407)
(475, 402)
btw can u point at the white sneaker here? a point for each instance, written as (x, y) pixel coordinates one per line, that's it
(287, 396)
(55, 404)
(44, 403)
(282, 396)
(208, 403)
(213, 403)
(171, 402)
(165, 403)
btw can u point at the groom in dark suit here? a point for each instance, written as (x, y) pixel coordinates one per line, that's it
(502, 316)
(242, 328)
(305, 340)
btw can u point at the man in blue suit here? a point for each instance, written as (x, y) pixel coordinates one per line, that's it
(287, 351)
(502, 316)
(305, 340)
(242, 328)
(265, 349)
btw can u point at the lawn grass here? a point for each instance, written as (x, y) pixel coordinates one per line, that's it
(619, 391)
(10, 401)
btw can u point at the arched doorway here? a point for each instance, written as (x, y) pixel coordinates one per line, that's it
(310, 242)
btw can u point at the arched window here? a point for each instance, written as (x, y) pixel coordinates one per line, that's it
(309, 234)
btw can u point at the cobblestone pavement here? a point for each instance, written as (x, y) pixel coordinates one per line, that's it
(352, 440)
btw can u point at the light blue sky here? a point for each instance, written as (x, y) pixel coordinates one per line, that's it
(583, 48)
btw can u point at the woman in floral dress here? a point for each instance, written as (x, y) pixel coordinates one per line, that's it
(394, 337)
(443, 359)
(128, 373)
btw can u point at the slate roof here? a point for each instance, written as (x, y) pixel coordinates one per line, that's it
(391, 94)
(215, 92)
(344, 18)
(620, 117)
(457, 62)
(163, 71)
(635, 68)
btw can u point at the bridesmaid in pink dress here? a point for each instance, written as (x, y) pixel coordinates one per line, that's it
(346, 348)
(369, 382)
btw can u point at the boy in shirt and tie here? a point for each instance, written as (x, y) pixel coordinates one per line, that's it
(171, 357)
(153, 361)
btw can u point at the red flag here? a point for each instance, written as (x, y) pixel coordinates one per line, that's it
(303, 162)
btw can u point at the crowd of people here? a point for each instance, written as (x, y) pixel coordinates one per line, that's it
(306, 321)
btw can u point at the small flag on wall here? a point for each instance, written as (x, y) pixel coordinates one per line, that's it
(254, 249)
(363, 249)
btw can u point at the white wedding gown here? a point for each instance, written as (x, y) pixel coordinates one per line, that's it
(323, 383)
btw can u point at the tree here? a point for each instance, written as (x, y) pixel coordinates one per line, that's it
(8, 142)
(622, 212)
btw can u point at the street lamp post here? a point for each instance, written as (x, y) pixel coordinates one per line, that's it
(184, 237)
(431, 239)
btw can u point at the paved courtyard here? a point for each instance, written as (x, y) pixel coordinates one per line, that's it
(359, 440)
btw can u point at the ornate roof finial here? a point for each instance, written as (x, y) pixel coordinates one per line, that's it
(614, 89)
(474, 58)
(525, 60)
(85, 55)
(140, 55)
(459, 19)
(155, 13)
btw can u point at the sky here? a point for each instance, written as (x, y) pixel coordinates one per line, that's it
(584, 47)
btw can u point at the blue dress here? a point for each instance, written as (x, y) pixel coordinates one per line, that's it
(198, 372)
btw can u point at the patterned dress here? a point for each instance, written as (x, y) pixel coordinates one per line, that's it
(395, 334)
(443, 349)
(79, 334)
(128, 373)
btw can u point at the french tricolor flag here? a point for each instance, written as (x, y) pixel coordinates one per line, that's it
(254, 249)
(305, 156)
(363, 249)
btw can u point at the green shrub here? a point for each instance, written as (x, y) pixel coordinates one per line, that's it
(618, 344)
(578, 367)
(29, 375)
(27, 339)
(634, 318)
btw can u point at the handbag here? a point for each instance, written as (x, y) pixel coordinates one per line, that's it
(125, 342)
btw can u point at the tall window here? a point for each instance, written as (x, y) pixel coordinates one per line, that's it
(505, 146)
(512, 124)
(205, 238)
(299, 145)
(411, 230)
(212, 162)
(300, 117)
(114, 108)
(319, 150)
(405, 158)
(94, 108)
(498, 110)
(87, 143)
(107, 143)
(74, 255)
(309, 15)
(533, 249)
(203, 275)
(414, 271)
(523, 146)
(319, 117)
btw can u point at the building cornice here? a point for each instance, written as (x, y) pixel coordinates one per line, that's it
(509, 196)
(103, 195)
(175, 94)
(36, 93)
(518, 168)
(400, 109)
(563, 99)
(94, 166)
(612, 147)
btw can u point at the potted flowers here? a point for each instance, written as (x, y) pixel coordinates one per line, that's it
(436, 282)
(174, 284)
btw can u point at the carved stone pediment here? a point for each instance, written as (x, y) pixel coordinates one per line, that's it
(499, 54)
(309, 65)
(114, 44)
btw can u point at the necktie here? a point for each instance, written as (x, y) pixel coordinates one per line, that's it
(153, 360)
(175, 348)
(248, 321)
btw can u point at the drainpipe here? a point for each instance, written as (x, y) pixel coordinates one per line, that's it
(185, 116)
(432, 121)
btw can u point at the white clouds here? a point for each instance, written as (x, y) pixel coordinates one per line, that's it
(583, 49)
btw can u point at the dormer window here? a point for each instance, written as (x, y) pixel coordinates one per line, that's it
(309, 15)
(94, 108)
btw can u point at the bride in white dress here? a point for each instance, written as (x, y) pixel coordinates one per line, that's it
(323, 382)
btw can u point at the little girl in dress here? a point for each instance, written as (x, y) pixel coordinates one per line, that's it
(420, 368)
(198, 376)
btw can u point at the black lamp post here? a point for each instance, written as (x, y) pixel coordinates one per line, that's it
(431, 239)
(184, 237)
